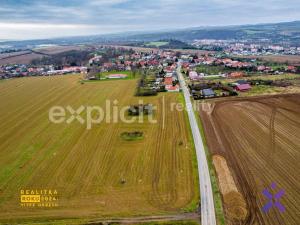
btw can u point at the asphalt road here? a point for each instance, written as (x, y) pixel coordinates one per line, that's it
(208, 216)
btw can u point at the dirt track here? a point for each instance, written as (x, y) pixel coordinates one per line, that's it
(260, 138)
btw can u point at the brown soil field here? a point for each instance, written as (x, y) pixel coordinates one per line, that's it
(57, 49)
(12, 54)
(292, 59)
(96, 173)
(260, 139)
(25, 57)
(20, 59)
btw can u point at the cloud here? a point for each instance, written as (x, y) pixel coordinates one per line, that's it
(106, 2)
(28, 26)
(23, 31)
(102, 16)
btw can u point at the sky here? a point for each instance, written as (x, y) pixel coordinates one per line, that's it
(36, 19)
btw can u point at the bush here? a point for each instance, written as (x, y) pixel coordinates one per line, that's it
(132, 136)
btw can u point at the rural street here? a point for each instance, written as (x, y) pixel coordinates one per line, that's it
(208, 216)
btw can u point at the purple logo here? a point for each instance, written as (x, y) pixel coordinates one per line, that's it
(273, 199)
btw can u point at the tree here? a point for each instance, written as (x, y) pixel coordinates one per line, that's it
(133, 73)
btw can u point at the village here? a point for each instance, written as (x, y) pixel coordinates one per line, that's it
(246, 47)
(207, 75)
(25, 70)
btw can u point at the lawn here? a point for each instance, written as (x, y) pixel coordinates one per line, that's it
(130, 75)
(261, 89)
(269, 90)
(96, 173)
(286, 76)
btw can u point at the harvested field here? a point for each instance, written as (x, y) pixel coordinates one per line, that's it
(22, 58)
(12, 54)
(96, 173)
(292, 59)
(260, 139)
(56, 49)
(25, 57)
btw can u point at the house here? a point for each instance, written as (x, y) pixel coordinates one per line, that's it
(169, 85)
(92, 78)
(208, 93)
(261, 68)
(169, 69)
(193, 75)
(108, 65)
(169, 74)
(291, 69)
(74, 69)
(241, 82)
(185, 65)
(172, 88)
(243, 87)
(95, 60)
(236, 74)
(168, 81)
(128, 63)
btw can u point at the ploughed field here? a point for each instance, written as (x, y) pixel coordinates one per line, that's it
(260, 139)
(95, 172)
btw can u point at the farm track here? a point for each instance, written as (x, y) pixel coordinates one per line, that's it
(86, 166)
(261, 146)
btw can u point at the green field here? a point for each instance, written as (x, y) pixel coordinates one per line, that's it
(95, 172)
(257, 90)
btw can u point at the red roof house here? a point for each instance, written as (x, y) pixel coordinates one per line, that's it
(291, 68)
(236, 74)
(243, 87)
(171, 88)
(168, 81)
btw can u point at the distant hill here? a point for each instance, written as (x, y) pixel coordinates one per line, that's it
(283, 33)
(288, 32)
(163, 44)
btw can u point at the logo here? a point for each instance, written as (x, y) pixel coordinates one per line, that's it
(273, 199)
(90, 115)
(39, 198)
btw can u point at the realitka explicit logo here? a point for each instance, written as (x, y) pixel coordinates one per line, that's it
(39, 198)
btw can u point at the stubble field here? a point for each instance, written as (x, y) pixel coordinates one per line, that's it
(260, 139)
(95, 172)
